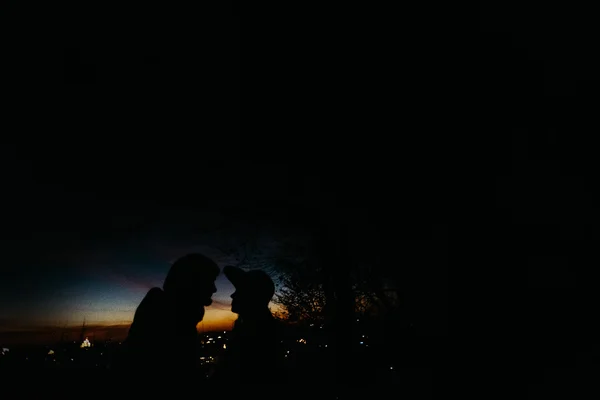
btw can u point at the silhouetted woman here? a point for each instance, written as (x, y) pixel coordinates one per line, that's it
(163, 334)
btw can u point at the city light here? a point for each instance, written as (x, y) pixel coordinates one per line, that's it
(99, 353)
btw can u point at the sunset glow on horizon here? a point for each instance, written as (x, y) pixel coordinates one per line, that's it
(105, 294)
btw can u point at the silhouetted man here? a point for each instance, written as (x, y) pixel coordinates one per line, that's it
(163, 333)
(252, 353)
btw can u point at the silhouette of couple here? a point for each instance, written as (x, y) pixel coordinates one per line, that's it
(163, 334)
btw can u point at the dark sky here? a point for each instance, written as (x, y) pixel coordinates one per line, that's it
(117, 161)
(541, 73)
(130, 141)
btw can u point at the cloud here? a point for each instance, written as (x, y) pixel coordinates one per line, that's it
(123, 277)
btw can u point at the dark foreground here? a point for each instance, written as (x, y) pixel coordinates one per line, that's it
(306, 357)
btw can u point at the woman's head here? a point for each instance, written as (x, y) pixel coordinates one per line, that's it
(190, 284)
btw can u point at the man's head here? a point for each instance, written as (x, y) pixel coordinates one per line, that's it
(190, 283)
(253, 290)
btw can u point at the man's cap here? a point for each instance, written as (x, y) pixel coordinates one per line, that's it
(256, 282)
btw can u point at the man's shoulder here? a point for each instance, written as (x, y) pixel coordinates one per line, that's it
(277, 325)
(272, 331)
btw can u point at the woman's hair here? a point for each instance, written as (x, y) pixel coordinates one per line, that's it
(188, 269)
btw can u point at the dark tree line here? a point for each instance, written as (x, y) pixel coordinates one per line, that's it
(341, 268)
